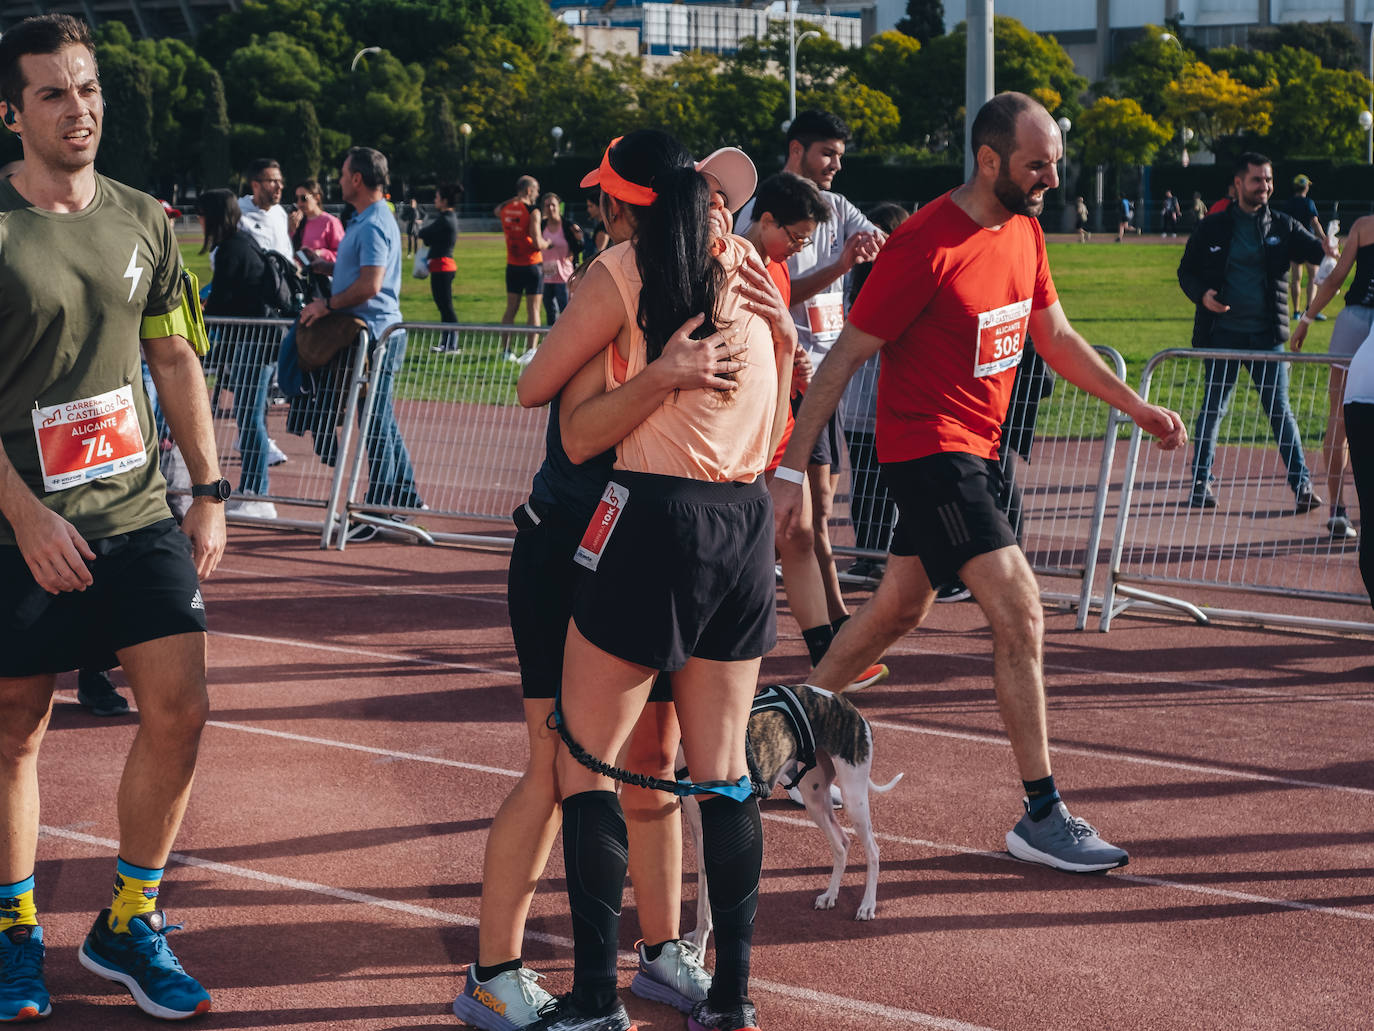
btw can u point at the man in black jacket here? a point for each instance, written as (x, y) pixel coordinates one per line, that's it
(1235, 269)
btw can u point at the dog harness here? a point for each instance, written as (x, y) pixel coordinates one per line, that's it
(778, 698)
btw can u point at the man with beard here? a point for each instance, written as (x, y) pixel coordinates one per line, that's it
(1235, 269)
(950, 302)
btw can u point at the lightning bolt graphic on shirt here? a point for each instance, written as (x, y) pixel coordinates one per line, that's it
(134, 272)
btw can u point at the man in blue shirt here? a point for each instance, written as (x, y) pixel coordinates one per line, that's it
(367, 283)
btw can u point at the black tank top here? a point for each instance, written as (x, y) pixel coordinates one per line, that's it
(1361, 291)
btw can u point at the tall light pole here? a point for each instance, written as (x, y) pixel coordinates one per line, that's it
(793, 41)
(1367, 124)
(1369, 150)
(1186, 135)
(464, 130)
(1064, 126)
(557, 133)
(361, 54)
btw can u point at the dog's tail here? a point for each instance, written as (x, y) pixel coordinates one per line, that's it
(882, 789)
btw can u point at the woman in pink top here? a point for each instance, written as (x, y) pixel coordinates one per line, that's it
(680, 554)
(565, 246)
(312, 228)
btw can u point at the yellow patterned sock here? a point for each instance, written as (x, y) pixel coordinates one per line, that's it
(16, 904)
(135, 893)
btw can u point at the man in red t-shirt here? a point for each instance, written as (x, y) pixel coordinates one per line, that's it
(950, 302)
(525, 247)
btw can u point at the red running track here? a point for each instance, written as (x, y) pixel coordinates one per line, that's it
(367, 724)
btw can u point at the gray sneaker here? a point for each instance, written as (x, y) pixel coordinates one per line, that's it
(1064, 842)
(508, 1002)
(676, 978)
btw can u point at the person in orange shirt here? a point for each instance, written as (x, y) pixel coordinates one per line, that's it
(525, 247)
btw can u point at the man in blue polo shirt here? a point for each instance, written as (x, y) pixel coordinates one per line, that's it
(367, 283)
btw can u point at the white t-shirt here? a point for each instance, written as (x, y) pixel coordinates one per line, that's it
(1359, 382)
(269, 228)
(820, 318)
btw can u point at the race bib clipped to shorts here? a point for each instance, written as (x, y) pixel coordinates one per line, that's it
(89, 439)
(1001, 338)
(599, 530)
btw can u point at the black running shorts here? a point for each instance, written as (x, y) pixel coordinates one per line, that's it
(830, 444)
(540, 587)
(687, 571)
(947, 511)
(525, 280)
(145, 588)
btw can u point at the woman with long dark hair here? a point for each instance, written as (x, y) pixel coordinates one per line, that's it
(680, 553)
(236, 289)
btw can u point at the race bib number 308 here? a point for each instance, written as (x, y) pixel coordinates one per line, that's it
(89, 439)
(1001, 338)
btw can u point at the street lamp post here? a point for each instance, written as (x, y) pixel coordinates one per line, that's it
(464, 130)
(361, 54)
(1064, 126)
(1186, 135)
(557, 133)
(1367, 124)
(793, 41)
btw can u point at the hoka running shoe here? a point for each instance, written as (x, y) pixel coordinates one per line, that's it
(23, 995)
(507, 1002)
(676, 977)
(143, 962)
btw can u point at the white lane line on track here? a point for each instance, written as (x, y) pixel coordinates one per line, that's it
(1138, 760)
(939, 846)
(985, 739)
(796, 993)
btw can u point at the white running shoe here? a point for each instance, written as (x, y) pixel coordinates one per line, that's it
(275, 455)
(676, 978)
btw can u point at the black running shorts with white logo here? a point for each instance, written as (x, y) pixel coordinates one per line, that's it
(145, 588)
(540, 587)
(687, 571)
(947, 511)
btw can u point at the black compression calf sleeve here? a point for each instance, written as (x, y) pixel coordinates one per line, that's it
(595, 854)
(732, 852)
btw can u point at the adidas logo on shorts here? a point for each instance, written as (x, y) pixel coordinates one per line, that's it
(197, 602)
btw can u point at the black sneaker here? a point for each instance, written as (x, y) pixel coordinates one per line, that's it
(565, 1015)
(706, 1017)
(1308, 499)
(97, 695)
(1202, 496)
(953, 591)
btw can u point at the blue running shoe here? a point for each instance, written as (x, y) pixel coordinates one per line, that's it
(143, 962)
(23, 995)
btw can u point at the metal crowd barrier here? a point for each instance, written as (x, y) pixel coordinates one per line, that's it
(472, 450)
(1287, 564)
(299, 484)
(1059, 447)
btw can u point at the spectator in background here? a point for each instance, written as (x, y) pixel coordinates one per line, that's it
(1304, 213)
(1169, 213)
(870, 508)
(1199, 209)
(237, 289)
(260, 210)
(367, 284)
(313, 229)
(440, 235)
(1125, 211)
(522, 224)
(595, 239)
(1224, 202)
(1081, 220)
(1234, 269)
(564, 237)
(410, 221)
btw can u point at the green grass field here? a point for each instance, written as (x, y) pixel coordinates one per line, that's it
(1123, 296)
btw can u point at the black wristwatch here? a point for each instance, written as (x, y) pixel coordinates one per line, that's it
(218, 491)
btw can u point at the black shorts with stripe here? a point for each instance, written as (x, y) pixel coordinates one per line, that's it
(145, 588)
(947, 511)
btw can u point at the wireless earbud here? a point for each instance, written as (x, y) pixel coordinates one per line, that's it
(9, 116)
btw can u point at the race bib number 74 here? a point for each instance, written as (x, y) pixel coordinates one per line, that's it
(89, 439)
(1001, 338)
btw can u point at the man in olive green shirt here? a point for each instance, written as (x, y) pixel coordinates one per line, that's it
(92, 567)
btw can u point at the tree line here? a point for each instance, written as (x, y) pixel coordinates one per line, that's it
(278, 78)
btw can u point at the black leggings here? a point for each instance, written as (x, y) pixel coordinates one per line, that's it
(1359, 436)
(441, 289)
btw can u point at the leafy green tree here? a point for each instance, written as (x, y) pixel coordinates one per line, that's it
(1119, 133)
(445, 150)
(215, 167)
(1147, 66)
(925, 19)
(870, 113)
(1330, 42)
(1217, 106)
(301, 156)
(128, 147)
